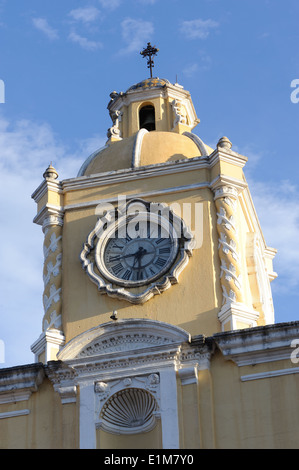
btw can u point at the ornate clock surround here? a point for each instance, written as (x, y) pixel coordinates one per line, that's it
(131, 219)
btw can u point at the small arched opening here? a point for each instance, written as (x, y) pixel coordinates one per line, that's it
(147, 118)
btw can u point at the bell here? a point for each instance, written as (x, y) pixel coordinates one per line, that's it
(147, 118)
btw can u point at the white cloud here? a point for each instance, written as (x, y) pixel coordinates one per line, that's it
(147, 2)
(26, 149)
(198, 29)
(278, 211)
(110, 4)
(86, 15)
(84, 42)
(42, 25)
(136, 33)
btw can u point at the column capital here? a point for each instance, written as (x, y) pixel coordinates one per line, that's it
(224, 186)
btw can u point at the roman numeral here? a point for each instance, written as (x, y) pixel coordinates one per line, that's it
(164, 250)
(117, 268)
(160, 240)
(160, 262)
(116, 246)
(127, 274)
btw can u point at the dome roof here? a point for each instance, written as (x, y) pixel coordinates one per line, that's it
(142, 149)
(149, 83)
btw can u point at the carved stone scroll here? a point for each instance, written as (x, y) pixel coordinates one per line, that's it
(230, 271)
(52, 275)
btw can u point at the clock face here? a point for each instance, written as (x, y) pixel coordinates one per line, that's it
(137, 253)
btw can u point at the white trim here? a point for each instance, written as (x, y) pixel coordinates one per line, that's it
(48, 341)
(137, 147)
(269, 374)
(44, 187)
(89, 160)
(227, 156)
(87, 416)
(235, 312)
(14, 414)
(122, 337)
(169, 409)
(258, 345)
(147, 194)
(198, 142)
(128, 174)
(188, 375)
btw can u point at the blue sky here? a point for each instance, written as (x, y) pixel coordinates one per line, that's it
(60, 60)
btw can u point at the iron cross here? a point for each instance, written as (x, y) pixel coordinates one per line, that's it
(149, 52)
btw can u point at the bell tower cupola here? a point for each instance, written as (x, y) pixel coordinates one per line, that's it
(153, 104)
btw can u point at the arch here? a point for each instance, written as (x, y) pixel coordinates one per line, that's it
(123, 337)
(147, 117)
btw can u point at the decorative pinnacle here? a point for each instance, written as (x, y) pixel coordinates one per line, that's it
(150, 51)
(224, 142)
(50, 173)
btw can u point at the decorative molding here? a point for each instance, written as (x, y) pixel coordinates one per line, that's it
(258, 345)
(49, 215)
(46, 186)
(49, 342)
(14, 414)
(234, 314)
(18, 383)
(92, 253)
(180, 114)
(122, 338)
(188, 375)
(147, 194)
(129, 411)
(200, 144)
(68, 394)
(269, 374)
(131, 174)
(114, 131)
(52, 275)
(230, 269)
(88, 161)
(137, 147)
(128, 405)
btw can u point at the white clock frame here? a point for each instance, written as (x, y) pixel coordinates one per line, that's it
(92, 258)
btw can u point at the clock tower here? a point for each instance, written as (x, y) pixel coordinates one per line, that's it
(153, 247)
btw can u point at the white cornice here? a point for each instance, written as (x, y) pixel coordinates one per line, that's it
(145, 194)
(129, 174)
(258, 345)
(47, 211)
(227, 156)
(44, 187)
(17, 383)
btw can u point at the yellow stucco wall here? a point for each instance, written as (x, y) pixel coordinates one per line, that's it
(84, 307)
(49, 424)
(221, 411)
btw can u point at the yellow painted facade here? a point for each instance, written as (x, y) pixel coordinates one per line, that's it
(196, 349)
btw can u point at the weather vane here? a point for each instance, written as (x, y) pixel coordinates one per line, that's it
(149, 52)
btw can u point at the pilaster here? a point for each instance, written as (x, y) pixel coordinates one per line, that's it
(227, 186)
(49, 198)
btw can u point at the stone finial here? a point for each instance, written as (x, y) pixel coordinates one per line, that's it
(50, 173)
(225, 143)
